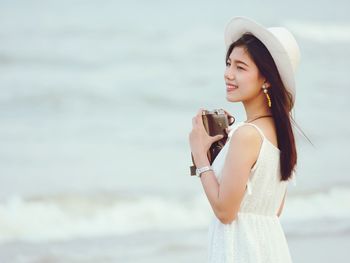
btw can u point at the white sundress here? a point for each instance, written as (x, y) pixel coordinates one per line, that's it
(256, 235)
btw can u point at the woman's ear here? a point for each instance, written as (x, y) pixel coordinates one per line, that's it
(267, 84)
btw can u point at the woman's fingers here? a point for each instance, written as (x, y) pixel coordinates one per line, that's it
(217, 137)
(200, 111)
(194, 121)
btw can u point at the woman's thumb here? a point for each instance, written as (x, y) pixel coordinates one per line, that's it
(218, 137)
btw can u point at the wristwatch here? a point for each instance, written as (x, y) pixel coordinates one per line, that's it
(201, 170)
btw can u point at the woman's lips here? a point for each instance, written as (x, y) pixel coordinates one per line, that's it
(230, 88)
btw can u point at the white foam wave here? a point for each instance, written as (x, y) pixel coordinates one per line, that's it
(319, 212)
(78, 217)
(41, 220)
(334, 202)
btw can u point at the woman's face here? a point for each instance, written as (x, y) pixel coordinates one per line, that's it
(243, 79)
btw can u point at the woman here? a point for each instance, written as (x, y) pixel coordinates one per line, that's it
(247, 183)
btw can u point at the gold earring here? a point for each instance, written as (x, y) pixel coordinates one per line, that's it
(267, 95)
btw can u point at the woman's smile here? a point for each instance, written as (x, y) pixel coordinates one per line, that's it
(230, 87)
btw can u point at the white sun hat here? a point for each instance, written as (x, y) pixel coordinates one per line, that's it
(279, 41)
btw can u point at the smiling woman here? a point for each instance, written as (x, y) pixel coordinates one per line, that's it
(246, 75)
(247, 183)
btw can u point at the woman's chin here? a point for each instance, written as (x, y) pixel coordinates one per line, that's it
(231, 98)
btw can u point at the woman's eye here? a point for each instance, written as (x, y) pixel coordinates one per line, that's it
(240, 68)
(228, 64)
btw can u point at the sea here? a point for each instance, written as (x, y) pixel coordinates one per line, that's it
(96, 102)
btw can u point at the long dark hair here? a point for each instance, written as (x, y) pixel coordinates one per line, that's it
(281, 99)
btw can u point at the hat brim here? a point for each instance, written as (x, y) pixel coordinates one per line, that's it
(237, 26)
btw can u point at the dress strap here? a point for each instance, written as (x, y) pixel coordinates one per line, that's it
(294, 179)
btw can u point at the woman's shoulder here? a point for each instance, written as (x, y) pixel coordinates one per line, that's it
(245, 132)
(268, 129)
(244, 145)
(258, 128)
(246, 135)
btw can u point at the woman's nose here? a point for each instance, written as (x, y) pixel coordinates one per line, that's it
(229, 73)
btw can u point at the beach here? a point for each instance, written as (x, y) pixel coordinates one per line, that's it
(179, 246)
(96, 105)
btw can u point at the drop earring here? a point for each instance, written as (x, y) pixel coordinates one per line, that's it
(267, 95)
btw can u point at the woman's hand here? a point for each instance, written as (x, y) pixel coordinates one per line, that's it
(200, 140)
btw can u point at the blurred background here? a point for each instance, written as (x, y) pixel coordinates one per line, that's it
(96, 104)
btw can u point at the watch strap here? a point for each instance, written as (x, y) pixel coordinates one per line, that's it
(201, 170)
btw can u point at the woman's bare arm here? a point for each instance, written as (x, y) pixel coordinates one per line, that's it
(226, 198)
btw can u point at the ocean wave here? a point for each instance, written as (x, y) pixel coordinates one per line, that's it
(76, 217)
(322, 212)
(70, 217)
